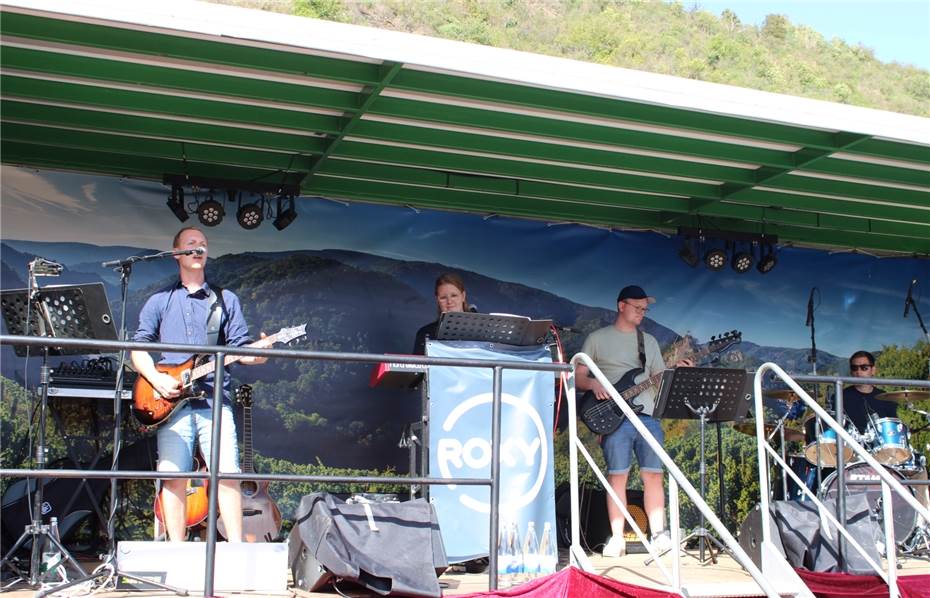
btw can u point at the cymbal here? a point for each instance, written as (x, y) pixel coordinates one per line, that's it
(748, 427)
(785, 394)
(904, 396)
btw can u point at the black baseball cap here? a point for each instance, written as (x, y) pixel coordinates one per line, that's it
(634, 292)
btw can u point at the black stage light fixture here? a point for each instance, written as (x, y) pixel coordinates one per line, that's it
(687, 253)
(210, 212)
(715, 259)
(742, 260)
(767, 260)
(176, 203)
(284, 216)
(250, 215)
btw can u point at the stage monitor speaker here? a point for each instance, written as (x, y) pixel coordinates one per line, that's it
(595, 525)
(750, 535)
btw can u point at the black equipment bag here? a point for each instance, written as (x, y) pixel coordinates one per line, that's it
(390, 548)
(798, 533)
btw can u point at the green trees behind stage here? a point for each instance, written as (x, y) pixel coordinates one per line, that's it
(673, 38)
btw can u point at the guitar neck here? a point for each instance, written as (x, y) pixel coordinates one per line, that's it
(205, 369)
(654, 379)
(247, 466)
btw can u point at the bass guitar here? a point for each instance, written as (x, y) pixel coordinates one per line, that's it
(261, 519)
(196, 498)
(151, 409)
(603, 417)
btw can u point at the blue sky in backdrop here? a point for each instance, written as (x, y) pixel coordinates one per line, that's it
(897, 30)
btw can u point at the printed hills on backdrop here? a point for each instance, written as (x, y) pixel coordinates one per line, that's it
(352, 302)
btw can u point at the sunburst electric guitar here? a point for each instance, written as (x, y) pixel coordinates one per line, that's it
(151, 409)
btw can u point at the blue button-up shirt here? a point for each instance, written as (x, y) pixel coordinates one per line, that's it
(174, 315)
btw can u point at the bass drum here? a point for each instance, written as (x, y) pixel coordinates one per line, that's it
(905, 517)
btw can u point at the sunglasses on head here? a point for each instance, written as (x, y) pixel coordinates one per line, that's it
(860, 366)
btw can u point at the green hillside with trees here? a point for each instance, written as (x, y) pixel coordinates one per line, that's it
(672, 38)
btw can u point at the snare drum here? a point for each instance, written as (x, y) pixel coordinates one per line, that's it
(888, 440)
(826, 443)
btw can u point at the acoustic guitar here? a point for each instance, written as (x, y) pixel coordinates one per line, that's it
(152, 409)
(603, 417)
(261, 519)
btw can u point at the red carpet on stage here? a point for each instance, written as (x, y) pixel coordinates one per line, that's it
(573, 582)
(844, 585)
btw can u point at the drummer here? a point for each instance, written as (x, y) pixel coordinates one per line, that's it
(859, 401)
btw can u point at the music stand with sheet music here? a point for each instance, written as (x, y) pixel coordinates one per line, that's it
(708, 395)
(70, 311)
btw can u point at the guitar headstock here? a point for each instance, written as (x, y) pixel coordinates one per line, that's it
(243, 395)
(286, 335)
(724, 341)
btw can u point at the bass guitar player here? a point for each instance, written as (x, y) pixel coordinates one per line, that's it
(616, 349)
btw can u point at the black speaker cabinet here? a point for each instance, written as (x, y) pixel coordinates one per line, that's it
(595, 525)
(309, 575)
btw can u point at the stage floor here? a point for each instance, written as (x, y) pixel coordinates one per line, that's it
(725, 578)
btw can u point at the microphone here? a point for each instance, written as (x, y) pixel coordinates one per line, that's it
(472, 308)
(810, 308)
(910, 298)
(145, 258)
(194, 251)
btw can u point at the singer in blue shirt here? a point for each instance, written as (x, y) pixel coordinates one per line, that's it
(179, 314)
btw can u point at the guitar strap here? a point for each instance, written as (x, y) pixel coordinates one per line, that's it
(640, 344)
(215, 334)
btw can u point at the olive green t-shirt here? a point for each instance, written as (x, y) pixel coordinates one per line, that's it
(616, 353)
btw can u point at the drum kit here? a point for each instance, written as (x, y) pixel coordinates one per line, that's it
(886, 439)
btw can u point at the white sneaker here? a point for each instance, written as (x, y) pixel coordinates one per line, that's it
(615, 547)
(661, 542)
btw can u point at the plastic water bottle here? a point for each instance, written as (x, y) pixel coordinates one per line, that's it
(530, 552)
(548, 557)
(52, 570)
(515, 566)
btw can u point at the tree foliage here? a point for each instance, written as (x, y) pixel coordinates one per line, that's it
(661, 37)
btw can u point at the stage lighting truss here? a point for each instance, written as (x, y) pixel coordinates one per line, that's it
(210, 211)
(767, 258)
(742, 260)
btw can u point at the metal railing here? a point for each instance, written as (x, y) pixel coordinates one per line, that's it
(889, 483)
(214, 475)
(677, 481)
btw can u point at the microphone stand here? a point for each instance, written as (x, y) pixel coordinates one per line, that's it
(124, 267)
(812, 358)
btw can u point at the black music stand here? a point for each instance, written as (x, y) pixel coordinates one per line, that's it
(492, 328)
(72, 311)
(709, 395)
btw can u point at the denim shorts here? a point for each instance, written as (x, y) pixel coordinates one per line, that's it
(194, 422)
(620, 445)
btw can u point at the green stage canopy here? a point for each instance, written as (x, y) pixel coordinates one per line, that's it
(149, 89)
